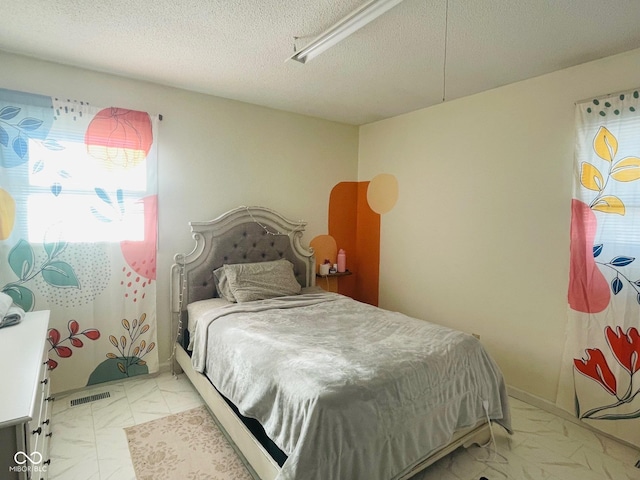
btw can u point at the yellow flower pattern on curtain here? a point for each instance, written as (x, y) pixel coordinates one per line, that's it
(599, 381)
(78, 232)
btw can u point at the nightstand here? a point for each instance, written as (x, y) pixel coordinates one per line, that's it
(329, 282)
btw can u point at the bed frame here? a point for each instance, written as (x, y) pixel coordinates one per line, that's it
(242, 235)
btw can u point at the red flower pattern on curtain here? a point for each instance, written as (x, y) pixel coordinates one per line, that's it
(625, 347)
(597, 368)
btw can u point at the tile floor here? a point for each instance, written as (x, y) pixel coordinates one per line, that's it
(89, 442)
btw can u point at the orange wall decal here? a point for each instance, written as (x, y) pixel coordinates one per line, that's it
(356, 229)
(367, 249)
(382, 193)
(343, 217)
(354, 225)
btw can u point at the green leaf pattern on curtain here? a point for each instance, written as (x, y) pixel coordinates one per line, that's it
(78, 231)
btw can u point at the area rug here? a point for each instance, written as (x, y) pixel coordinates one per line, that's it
(187, 445)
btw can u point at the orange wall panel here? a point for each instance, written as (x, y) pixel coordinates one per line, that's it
(356, 229)
(368, 249)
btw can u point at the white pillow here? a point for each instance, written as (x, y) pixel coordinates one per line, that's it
(262, 280)
(222, 285)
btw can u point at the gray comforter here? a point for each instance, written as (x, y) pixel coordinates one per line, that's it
(346, 390)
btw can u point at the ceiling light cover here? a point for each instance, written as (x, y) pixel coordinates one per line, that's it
(345, 27)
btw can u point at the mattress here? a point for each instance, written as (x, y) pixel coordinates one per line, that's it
(347, 390)
(199, 310)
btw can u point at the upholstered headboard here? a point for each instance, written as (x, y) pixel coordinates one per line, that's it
(242, 235)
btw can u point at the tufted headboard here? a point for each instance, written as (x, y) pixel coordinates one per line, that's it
(242, 235)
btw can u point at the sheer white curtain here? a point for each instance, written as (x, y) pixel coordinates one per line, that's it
(78, 231)
(599, 380)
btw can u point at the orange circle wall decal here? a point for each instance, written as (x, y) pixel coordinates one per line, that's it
(324, 247)
(382, 193)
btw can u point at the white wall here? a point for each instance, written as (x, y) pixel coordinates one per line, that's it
(214, 154)
(479, 238)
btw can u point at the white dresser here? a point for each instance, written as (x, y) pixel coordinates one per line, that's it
(25, 403)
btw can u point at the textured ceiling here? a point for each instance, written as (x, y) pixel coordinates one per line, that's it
(236, 49)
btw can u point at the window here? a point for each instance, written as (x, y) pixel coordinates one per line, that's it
(86, 206)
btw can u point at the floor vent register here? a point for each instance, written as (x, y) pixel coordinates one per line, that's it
(88, 399)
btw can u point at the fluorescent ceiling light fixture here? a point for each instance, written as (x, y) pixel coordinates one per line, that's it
(345, 27)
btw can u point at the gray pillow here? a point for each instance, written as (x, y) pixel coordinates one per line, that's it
(259, 281)
(222, 285)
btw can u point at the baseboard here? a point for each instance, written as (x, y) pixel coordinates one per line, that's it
(552, 408)
(542, 404)
(162, 368)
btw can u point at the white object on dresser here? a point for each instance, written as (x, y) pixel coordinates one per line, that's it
(25, 403)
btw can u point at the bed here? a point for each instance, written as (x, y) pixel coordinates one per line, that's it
(312, 385)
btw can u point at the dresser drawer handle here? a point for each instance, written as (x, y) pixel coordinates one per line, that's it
(47, 462)
(46, 422)
(45, 381)
(38, 431)
(50, 434)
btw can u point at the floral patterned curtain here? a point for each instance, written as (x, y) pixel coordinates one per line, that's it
(599, 380)
(78, 230)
